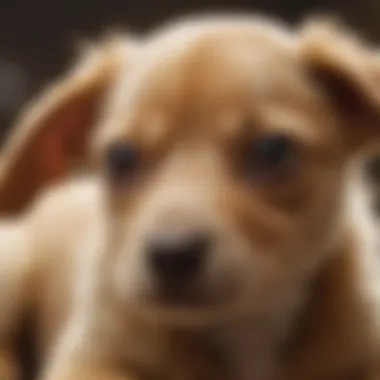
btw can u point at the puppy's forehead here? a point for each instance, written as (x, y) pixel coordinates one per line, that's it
(210, 69)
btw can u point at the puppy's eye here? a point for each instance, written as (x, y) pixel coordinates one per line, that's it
(122, 160)
(272, 156)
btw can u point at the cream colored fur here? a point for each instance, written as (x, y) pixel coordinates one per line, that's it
(300, 256)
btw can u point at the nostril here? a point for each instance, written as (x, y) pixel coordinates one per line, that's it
(178, 259)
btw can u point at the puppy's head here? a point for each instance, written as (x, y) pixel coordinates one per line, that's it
(222, 146)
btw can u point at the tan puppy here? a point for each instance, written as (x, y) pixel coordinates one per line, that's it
(215, 241)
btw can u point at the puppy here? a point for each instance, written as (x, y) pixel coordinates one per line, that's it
(218, 238)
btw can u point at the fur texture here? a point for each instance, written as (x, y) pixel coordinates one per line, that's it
(289, 291)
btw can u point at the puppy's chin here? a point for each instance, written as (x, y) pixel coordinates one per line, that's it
(194, 309)
(187, 315)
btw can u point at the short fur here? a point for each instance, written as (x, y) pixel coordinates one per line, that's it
(291, 284)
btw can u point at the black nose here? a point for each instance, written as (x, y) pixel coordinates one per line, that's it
(178, 259)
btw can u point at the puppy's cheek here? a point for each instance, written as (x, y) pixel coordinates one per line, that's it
(264, 258)
(228, 270)
(237, 267)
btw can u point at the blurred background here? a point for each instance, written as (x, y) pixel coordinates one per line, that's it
(37, 38)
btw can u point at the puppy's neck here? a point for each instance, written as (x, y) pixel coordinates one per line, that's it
(244, 348)
(335, 316)
(252, 345)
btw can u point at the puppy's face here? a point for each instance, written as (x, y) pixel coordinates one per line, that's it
(222, 146)
(223, 165)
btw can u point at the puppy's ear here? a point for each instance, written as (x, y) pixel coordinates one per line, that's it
(348, 72)
(51, 134)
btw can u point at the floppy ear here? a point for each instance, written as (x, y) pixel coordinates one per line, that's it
(50, 136)
(348, 72)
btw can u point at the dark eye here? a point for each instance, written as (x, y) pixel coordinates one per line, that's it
(122, 160)
(270, 157)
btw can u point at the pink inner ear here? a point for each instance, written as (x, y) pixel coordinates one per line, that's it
(350, 94)
(51, 158)
(49, 153)
(65, 142)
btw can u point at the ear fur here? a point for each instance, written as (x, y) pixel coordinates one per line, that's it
(51, 134)
(347, 70)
